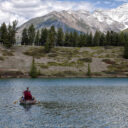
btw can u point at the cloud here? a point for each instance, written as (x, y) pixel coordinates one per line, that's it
(23, 10)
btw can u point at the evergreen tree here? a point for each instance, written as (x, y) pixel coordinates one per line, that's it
(52, 36)
(108, 38)
(37, 38)
(49, 43)
(33, 71)
(75, 39)
(121, 39)
(0, 35)
(4, 33)
(9, 40)
(31, 34)
(96, 39)
(116, 39)
(60, 37)
(89, 39)
(82, 40)
(71, 39)
(25, 40)
(14, 27)
(89, 70)
(67, 39)
(126, 50)
(102, 40)
(44, 35)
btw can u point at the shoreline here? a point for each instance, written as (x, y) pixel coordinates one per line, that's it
(57, 77)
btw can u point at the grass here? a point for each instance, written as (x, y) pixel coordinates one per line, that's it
(42, 65)
(7, 53)
(63, 64)
(1, 58)
(97, 73)
(87, 60)
(118, 68)
(108, 61)
(65, 73)
(36, 52)
(52, 55)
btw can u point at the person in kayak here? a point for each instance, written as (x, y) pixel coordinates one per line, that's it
(27, 94)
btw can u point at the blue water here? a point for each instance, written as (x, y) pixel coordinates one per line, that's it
(65, 103)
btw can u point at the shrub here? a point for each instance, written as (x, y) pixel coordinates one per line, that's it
(89, 60)
(7, 53)
(89, 70)
(108, 61)
(35, 52)
(33, 71)
(1, 58)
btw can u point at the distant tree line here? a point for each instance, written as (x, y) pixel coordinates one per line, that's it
(71, 39)
(52, 37)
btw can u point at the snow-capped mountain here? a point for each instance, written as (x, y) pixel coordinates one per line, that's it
(83, 21)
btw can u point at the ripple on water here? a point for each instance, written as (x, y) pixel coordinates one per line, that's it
(65, 103)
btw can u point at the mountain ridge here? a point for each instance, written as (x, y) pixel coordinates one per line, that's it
(82, 20)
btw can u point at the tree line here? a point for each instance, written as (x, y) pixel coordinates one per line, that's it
(71, 39)
(52, 37)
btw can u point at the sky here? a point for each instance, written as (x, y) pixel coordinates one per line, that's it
(23, 10)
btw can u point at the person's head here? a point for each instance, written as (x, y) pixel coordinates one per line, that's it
(27, 88)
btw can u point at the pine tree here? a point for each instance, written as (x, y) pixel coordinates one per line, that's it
(126, 50)
(14, 27)
(89, 70)
(71, 39)
(0, 35)
(44, 35)
(31, 34)
(4, 33)
(9, 40)
(66, 39)
(75, 39)
(37, 38)
(47, 45)
(52, 36)
(25, 40)
(33, 71)
(82, 40)
(96, 39)
(102, 40)
(121, 39)
(89, 39)
(60, 37)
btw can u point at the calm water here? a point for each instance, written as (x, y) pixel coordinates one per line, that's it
(65, 103)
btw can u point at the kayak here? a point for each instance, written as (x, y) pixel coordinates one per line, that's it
(27, 102)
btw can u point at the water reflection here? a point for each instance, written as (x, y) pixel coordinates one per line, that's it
(26, 107)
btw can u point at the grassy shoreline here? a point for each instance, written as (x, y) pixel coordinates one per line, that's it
(63, 62)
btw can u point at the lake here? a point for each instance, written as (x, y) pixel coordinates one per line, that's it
(65, 103)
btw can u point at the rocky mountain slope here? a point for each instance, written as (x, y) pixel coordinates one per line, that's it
(82, 20)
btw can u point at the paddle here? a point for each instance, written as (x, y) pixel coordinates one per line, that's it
(16, 101)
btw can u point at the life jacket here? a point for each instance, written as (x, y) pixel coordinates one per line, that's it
(27, 95)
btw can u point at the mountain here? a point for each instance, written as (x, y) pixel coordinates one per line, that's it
(82, 20)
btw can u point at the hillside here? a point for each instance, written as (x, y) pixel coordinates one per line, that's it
(63, 62)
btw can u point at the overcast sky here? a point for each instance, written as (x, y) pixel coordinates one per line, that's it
(23, 10)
